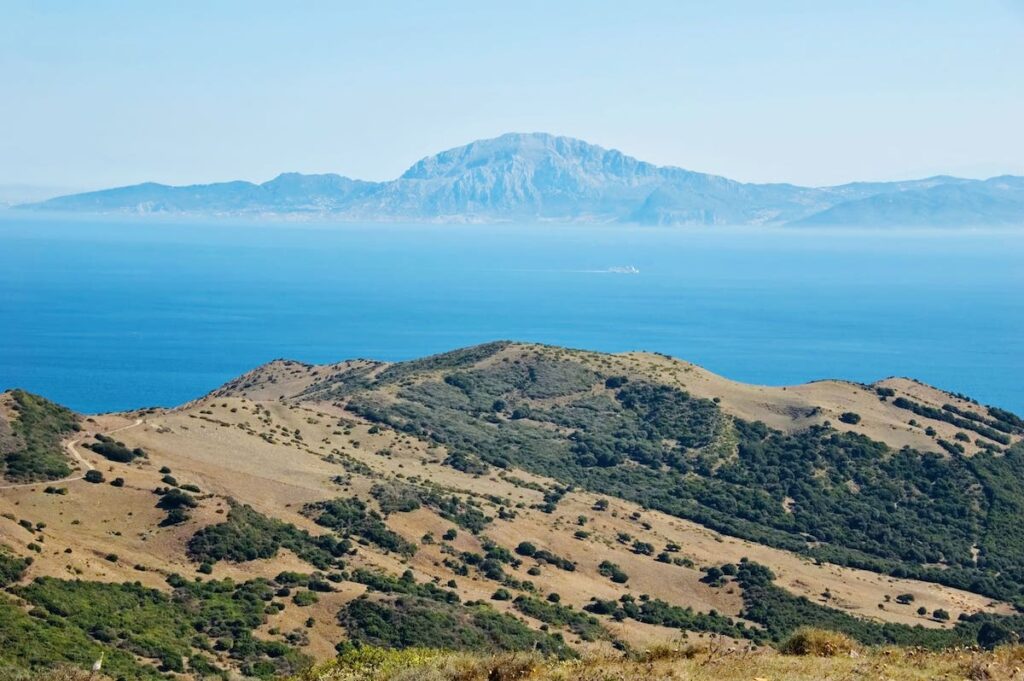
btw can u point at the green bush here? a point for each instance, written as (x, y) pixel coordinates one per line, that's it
(613, 572)
(304, 598)
(113, 450)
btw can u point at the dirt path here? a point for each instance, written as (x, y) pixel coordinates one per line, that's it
(69, 447)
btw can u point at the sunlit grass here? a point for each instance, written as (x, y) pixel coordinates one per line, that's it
(828, 660)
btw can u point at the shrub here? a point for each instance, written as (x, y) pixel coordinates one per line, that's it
(713, 575)
(113, 450)
(850, 417)
(117, 482)
(613, 572)
(93, 476)
(643, 548)
(304, 598)
(818, 643)
(175, 516)
(526, 549)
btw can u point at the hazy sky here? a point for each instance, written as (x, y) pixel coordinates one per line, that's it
(103, 93)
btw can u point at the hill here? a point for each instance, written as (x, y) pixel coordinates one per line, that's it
(541, 177)
(505, 497)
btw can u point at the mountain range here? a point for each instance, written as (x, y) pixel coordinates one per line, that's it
(537, 177)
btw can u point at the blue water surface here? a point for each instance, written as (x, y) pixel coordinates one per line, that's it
(113, 313)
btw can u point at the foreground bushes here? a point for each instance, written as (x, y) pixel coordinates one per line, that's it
(704, 661)
(818, 642)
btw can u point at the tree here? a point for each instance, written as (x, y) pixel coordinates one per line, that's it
(93, 476)
(526, 549)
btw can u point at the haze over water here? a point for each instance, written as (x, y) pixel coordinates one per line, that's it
(113, 313)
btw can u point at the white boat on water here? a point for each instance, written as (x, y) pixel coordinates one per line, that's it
(628, 269)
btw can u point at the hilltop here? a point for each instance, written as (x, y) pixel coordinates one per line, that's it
(529, 177)
(505, 497)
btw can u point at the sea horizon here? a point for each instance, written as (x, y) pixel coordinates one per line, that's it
(125, 313)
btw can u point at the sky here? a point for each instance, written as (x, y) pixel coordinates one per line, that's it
(96, 94)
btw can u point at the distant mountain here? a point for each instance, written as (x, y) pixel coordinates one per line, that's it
(995, 202)
(286, 193)
(541, 177)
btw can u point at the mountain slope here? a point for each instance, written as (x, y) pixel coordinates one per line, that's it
(512, 497)
(537, 176)
(287, 193)
(998, 201)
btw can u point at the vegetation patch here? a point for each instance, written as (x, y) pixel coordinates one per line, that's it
(400, 497)
(993, 429)
(114, 450)
(413, 622)
(30, 444)
(249, 535)
(656, 611)
(192, 622)
(583, 625)
(835, 496)
(781, 614)
(349, 517)
(406, 584)
(12, 568)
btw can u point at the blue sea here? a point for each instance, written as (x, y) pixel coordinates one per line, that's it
(106, 314)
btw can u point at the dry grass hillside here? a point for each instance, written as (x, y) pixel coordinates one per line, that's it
(506, 497)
